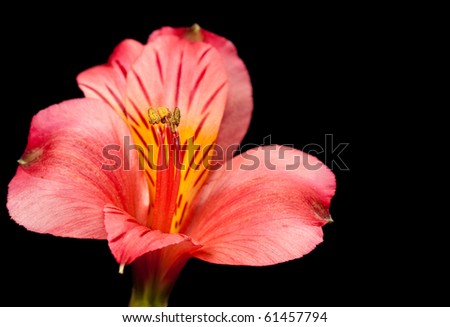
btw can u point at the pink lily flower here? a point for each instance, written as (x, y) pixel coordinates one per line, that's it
(132, 163)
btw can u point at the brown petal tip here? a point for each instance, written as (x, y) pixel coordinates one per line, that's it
(194, 33)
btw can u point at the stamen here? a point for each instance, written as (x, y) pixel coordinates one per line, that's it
(164, 113)
(176, 116)
(162, 183)
(168, 170)
(177, 178)
(153, 116)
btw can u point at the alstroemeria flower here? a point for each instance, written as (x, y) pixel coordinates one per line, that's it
(107, 167)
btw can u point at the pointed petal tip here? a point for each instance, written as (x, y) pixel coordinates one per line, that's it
(295, 203)
(31, 156)
(53, 192)
(128, 240)
(194, 34)
(121, 268)
(195, 27)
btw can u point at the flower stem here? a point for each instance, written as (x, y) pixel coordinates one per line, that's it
(147, 298)
(148, 289)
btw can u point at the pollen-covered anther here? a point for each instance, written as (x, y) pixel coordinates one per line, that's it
(165, 116)
(176, 116)
(153, 116)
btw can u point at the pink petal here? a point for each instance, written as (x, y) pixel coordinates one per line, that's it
(237, 115)
(108, 82)
(129, 240)
(60, 187)
(173, 72)
(263, 210)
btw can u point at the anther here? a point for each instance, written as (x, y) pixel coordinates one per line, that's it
(176, 116)
(153, 116)
(165, 116)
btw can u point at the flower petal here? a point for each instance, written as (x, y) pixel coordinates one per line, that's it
(174, 72)
(267, 206)
(129, 240)
(238, 111)
(108, 82)
(68, 172)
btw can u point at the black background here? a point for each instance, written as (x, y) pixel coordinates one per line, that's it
(320, 72)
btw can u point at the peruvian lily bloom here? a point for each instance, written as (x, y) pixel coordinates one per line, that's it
(132, 163)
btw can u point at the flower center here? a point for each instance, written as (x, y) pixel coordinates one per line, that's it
(168, 166)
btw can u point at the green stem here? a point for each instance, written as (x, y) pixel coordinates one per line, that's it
(155, 273)
(148, 297)
(148, 289)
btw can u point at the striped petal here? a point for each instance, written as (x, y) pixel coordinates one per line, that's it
(266, 207)
(73, 165)
(108, 82)
(173, 72)
(239, 107)
(129, 240)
